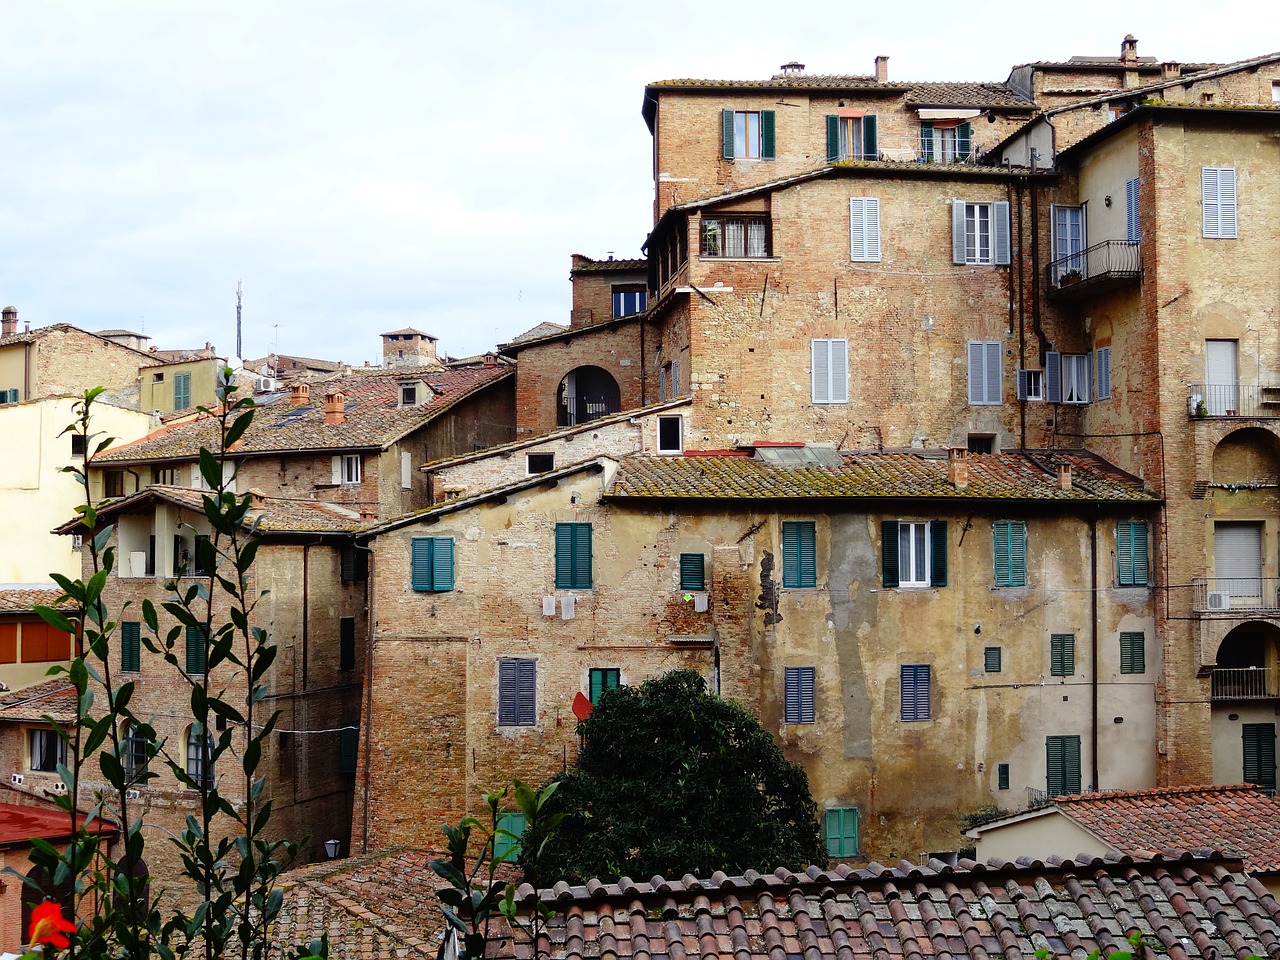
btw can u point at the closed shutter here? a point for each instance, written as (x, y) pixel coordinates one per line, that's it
(1053, 377)
(1132, 225)
(766, 134)
(693, 572)
(517, 681)
(984, 373)
(130, 645)
(420, 563)
(1062, 655)
(820, 358)
(1002, 776)
(1218, 202)
(181, 391)
(833, 138)
(197, 650)
(1010, 553)
(839, 382)
(348, 749)
(889, 553)
(1062, 757)
(726, 134)
(1237, 557)
(1260, 754)
(864, 229)
(602, 679)
(926, 142)
(938, 553)
(957, 232)
(798, 695)
(842, 832)
(1133, 653)
(1000, 231)
(991, 658)
(406, 470)
(914, 685)
(1104, 374)
(1131, 552)
(964, 141)
(870, 149)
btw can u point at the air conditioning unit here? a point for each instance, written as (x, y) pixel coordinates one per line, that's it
(132, 794)
(17, 779)
(1219, 600)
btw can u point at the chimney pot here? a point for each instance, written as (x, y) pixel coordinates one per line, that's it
(958, 467)
(792, 69)
(1129, 49)
(335, 407)
(1064, 476)
(299, 393)
(1170, 70)
(882, 69)
(8, 321)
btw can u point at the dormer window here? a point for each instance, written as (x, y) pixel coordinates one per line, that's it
(412, 393)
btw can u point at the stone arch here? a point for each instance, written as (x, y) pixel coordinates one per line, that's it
(1247, 661)
(1245, 456)
(586, 393)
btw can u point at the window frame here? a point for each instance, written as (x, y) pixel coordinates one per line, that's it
(573, 556)
(738, 139)
(1077, 378)
(517, 692)
(666, 420)
(829, 370)
(1030, 384)
(915, 692)
(200, 766)
(891, 559)
(546, 464)
(992, 659)
(799, 554)
(799, 705)
(627, 300)
(350, 469)
(133, 751)
(1009, 539)
(431, 564)
(714, 240)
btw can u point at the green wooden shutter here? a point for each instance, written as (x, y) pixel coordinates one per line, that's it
(130, 645)
(581, 555)
(564, 556)
(926, 141)
(1260, 754)
(869, 150)
(1062, 655)
(1002, 776)
(808, 556)
(991, 659)
(766, 134)
(420, 563)
(181, 391)
(833, 138)
(442, 563)
(726, 134)
(693, 572)
(506, 844)
(1000, 551)
(348, 749)
(889, 553)
(1062, 762)
(842, 832)
(964, 141)
(602, 679)
(1133, 653)
(938, 553)
(1131, 552)
(1018, 553)
(197, 650)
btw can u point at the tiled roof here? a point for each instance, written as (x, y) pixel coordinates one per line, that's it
(40, 333)
(1026, 475)
(1239, 819)
(1183, 906)
(19, 823)
(544, 329)
(610, 266)
(956, 93)
(55, 697)
(24, 599)
(967, 94)
(404, 331)
(373, 417)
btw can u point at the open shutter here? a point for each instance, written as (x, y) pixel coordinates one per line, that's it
(442, 563)
(1133, 229)
(1000, 551)
(839, 385)
(1124, 553)
(1000, 228)
(957, 231)
(1139, 544)
(527, 708)
(766, 134)
(1053, 377)
(964, 141)
(938, 553)
(833, 138)
(335, 466)
(821, 370)
(1104, 373)
(726, 134)
(869, 147)
(420, 563)
(1227, 202)
(926, 141)
(889, 552)
(406, 470)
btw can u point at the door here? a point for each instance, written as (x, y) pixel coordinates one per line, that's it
(1237, 557)
(1223, 398)
(1068, 242)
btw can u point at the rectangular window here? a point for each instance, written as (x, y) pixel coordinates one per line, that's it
(573, 556)
(830, 370)
(408, 394)
(348, 749)
(1131, 553)
(799, 554)
(354, 562)
(693, 571)
(1062, 655)
(1132, 223)
(181, 391)
(798, 694)
(1030, 384)
(9, 396)
(602, 679)
(346, 468)
(851, 136)
(517, 700)
(47, 751)
(197, 650)
(113, 483)
(131, 646)
(671, 434)
(1010, 550)
(842, 832)
(985, 388)
(1002, 776)
(1259, 754)
(1218, 202)
(1103, 355)
(1068, 377)
(944, 141)
(980, 232)
(167, 476)
(914, 553)
(77, 445)
(736, 237)
(432, 564)
(506, 843)
(629, 300)
(747, 134)
(864, 229)
(1069, 243)
(1133, 653)
(991, 659)
(540, 463)
(346, 643)
(1062, 763)
(914, 681)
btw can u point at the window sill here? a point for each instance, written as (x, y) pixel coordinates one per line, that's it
(739, 260)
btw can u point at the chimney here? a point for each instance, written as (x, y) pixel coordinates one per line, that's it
(1170, 70)
(792, 69)
(335, 407)
(1129, 49)
(9, 323)
(299, 394)
(490, 360)
(882, 69)
(1064, 476)
(958, 467)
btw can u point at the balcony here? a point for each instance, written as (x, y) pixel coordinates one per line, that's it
(1236, 595)
(1094, 270)
(1245, 683)
(1205, 400)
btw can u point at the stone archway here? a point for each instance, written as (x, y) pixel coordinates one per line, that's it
(586, 393)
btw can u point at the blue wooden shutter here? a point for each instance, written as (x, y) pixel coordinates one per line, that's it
(1000, 231)
(926, 142)
(1132, 224)
(442, 563)
(1103, 355)
(726, 134)
(766, 134)
(693, 571)
(505, 848)
(130, 645)
(964, 141)
(870, 150)
(1053, 377)
(889, 553)
(833, 138)
(798, 695)
(957, 232)
(197, 650)
(1260, 754)
(527, 708)
(914, 683)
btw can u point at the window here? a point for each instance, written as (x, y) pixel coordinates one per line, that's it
(517, 700)
(573, 556)
(1275, 91)
(1010, 553)
(158, 377)
(181, 391)
(629, 300)
(851, 137)
(432, 564)
(200, 755)
(1030, 384)
(346, 468)
(991, 659)
(1068, 376)
(830, 370)
(197, 651)
(346, 643)
(864, 229)
(693, 571)
(1002, 776)
(113, 483)
(540, 463)
(798, 694)
(740, 237)
(1062, 655)
(842, 832)
(348, 749)
(945, 141)
(747, 134)
(1131, 553)
(133, 746)
(980, 443)
(914, 684)
(168, 476)
(9, 396)
(1069, 242)
(130, 646)
(77, 445)
(1133, 653)
(47, 751)
(799, 556)
(914, 553)
(1062, 762)
(408, 394)
(355, 564)
(980, 232)
(1132, 222)
(1259, 754)
(984, 373)
(1103, 355)
(671, 434)
(1218, 202)
(602, 679)
(506, 842)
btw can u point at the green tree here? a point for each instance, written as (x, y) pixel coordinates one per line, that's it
(672, 780)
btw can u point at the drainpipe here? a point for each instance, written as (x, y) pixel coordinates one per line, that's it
(1022, 309)
(367, 719)
(1093, 642)
(306, 559)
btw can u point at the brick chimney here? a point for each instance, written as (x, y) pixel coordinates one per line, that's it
(9, 323)
(299, 394)
(1129, 49)
(1064, 476)
(882, 69)
(490, 360)
(335, 407)
(958, 467)
(1170, 70)
(792, 69)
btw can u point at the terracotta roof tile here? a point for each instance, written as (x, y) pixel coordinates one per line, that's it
(55, 697)
(270, 514)
(24, 599)
(610, 266)
(951, 93)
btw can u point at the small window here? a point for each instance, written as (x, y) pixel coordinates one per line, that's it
(602, 679)
(1002, 776)
(914, 683)
(980, 232)
(517, 696)
(981, 443)
(47, 751)
(349, 471)
(799, 558)
(540, 463)
(985, 387)
(200, 755)
(842, 832)
(945, 141)
(693, 571)
(1133, 652)
(158, 377)
(914, 553)
(573, 556)
(1010, 550)
(798, 695)
(197, 650)
(1218, 202)
(408, 394)
(1030, 384)
(506, 843)
(1062, 763)
(735, 237)
(830, 370)
(133, 746)
(166, 476)
(629, 300)
(991, 659)
(1062, 655)
(181, 391)
(747, 134)
(346, 643)
(77, 445)
(130, 646)
(1131, 553)
(113, 483)
(1275, 91)
(671, 434)
(355, 564)
(432, 564)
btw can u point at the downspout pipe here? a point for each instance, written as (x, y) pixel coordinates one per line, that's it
(1093, 646)
(367, 719)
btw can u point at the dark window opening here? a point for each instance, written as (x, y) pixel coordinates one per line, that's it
(541, 462)
(982, 443)
(586, 394)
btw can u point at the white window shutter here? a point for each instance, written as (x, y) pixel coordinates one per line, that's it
(991, 375)
(821, 370)
(839, 371)
(406, 470)
(957, 231)
(1209, 218)
(1104, 373)
(1227, 202)
(1000, 230)
(864, 229)
(336, 464)
(976, 373)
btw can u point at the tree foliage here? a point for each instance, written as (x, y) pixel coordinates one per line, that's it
(673, 780)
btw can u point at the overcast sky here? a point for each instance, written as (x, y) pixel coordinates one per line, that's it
(367, 166)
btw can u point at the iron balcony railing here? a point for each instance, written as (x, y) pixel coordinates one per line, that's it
(1245, 683)
(1232, 400)
(1115, 259)
(1235, 594)
(580, 408)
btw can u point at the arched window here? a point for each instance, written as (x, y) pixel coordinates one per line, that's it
(200, 755)
(586, 393)
(133, 747)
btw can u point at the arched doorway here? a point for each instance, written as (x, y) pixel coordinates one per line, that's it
(586, 393)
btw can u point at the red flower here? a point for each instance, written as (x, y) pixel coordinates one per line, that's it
(47, 926)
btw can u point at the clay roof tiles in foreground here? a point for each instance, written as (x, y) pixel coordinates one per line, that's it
(1185, 906)
(55, 698)
(25, 599)
(1026, 475)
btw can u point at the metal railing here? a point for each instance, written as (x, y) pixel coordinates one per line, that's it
(1245, 683)
(1110, 258)
(1233, 400)
(1234, 594)
(576, 409)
